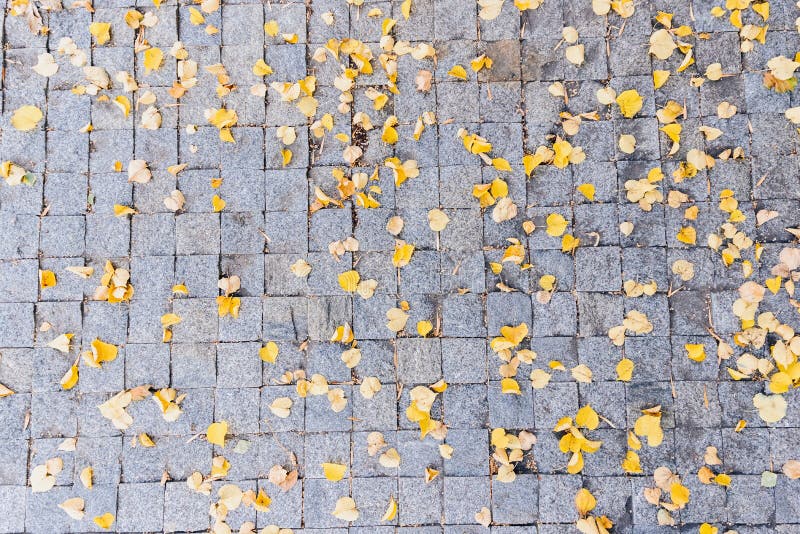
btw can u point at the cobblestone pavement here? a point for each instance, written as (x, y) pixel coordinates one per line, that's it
(580, 209)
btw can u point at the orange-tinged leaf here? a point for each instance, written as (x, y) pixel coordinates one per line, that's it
(104, 521)
(46, 279)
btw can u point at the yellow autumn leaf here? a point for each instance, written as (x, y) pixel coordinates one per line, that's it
(25, 118)
(104, 352)
(86, 477)
(695, 352)
(228, 305)
(501, 164)
(124, 104)
(662, 44)
(405, 9)
(556, 224)
(771, 408)
(587, 190)
(262, 502)
(217, 203)
(281, 407)
(121, 211)
(631, 463)
(271, 28)
(514, 334)
(569, 243)
(660, 77)
(575, 463)
(780, 382)
(334, 472)
(723, 479)
(47, 279)
(145, 440)
(70, 378)
(774, 284)
(215, 433)
(627, 143)
(629, 102)
(402, 254)
(308, 106)
(269, 352)
(584, 501)
(101, 31)
(587, 418)
(152, 59)
(169, 319)
(104, 521)
(510, 386)
(562, 150)
(687, 234)
(61, 343)
(530, 162)
(391, 508)
(389, 135)
(649, 425)
(195, 17)
(458, 72)
(625, 370)
(673, 131)
(286, 156)
(424, 328)
(547, 282)
(348, 281)
(261, 68)
(679, 494)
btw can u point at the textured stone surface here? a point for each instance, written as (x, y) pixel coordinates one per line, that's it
(66, 218)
